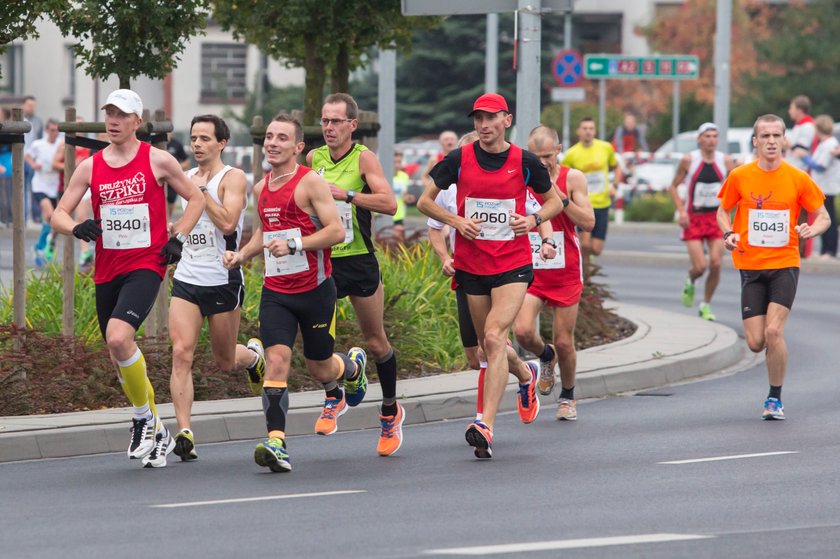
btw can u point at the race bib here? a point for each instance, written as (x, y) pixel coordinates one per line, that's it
(597, 182)
(201, 243)
(705, 195)
(345, 212)
(283, 265)
(769, 228)
(495, 215)
(558, 262)
(125, 227)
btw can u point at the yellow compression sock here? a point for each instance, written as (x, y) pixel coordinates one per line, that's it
(134, 382)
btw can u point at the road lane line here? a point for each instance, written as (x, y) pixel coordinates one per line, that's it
(565, 544)
(255, 499)
(732, 457)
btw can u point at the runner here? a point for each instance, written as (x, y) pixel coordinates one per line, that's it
(359, 187)
(447, 199)
(595, 158)
(705, 168)
(767, 195)
(202, 287)
(558, 283)
(132, 251)
(493, 262)
(296, 223)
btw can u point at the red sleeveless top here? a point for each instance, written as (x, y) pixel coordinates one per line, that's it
(491, 196)
(282, 218)
(572, 272)
(132, 206)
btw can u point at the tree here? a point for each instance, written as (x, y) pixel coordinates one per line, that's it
(17, 19)
(131, 38)
(329, 37)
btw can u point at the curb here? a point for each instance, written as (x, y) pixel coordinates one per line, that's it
(666, 348)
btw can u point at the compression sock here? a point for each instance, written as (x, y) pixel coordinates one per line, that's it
(479, 399)
(567, 393)
(775, 392)
(275, 400)
(547, 354)
(386, 370)
(134, 382)
(347, 368)
(332, 389)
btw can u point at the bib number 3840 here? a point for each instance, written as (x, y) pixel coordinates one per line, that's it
(125, 227)
(769, 228)
(495, 215)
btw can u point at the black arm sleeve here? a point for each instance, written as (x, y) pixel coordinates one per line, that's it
(536, 174)
(445, 172)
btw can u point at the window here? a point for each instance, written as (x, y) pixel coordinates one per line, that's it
(11, 66)
(223, 72)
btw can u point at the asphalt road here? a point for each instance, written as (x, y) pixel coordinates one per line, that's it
(613, 484)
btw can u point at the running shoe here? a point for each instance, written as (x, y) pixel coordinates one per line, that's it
(164, 444)
(49, 252)
(773, 409)
(40, 259)
(527, 401)
(142, 437)
(355, 390)
(185, 445)
(334, 408)
(688, 293)
(547, 373)
(272, 454)
(706, 313)
(391, 438)
(567, 410)
(480, 437)
(257, 370)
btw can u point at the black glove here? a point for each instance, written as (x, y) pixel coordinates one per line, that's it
(88, 230)
(171, 251)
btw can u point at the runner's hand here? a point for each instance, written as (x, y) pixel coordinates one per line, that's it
(88, 230)
(231, 260)
(731, 243)
(278, 248)
(804, 231)
(337, 192)
(520, 224)
(468, 228)
(547, 252)
(448, 267)
(683, 219)
(171, 251)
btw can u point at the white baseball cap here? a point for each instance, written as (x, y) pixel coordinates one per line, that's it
(705, 127)
(125, 100)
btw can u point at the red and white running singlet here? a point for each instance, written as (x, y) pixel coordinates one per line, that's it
(132, 206)
(491, 196)
(566, 268)
(282, 219)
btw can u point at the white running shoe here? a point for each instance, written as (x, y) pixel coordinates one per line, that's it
(164, 444)
(142, 437)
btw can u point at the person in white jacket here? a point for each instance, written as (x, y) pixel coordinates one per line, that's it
(825, 167)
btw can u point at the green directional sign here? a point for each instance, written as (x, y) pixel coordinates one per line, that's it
(617, 66)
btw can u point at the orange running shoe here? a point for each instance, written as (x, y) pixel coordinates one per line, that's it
(334, 408)
(480, 437)
(391, 438)
(527, 401)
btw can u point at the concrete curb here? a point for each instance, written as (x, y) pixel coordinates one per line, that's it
(666, 348)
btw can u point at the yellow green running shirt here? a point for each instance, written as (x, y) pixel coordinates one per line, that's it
(357, 221)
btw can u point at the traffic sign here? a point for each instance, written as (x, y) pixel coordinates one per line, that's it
(616, 66)
(567, 68)
(566, 94)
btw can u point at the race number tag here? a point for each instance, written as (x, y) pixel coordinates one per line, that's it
(283, 265)
(558, 262)
(769, 228)
(345, 212)
(201, 243)
(495, 215)
(125, 227)
(705, 195)
(597, 182)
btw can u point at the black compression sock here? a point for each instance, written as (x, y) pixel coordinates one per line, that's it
(386, 370)
(568, 393)
(547, 354)
(389, 409)
(775, 392)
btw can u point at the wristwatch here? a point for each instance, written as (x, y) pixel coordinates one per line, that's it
(180, 237)
(566, 202)
(549, 241)
(727, 234)
(203, 188)
(351, 194)
(293, 246)
(537, 220)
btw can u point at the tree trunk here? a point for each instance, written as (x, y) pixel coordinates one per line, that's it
(125, 81)
(315, 80)
(340, 76)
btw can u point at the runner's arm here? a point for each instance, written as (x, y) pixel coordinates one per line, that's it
(61, 220)
(332, 231)
(579, 209)
(58, 158)
(168, 170)
(821, 223)
(673, 190)
(226, 216)
(381, 197)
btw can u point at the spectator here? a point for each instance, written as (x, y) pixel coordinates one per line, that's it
(5, 176)
(40, 155)
(400, 186)
(36, 133)
(448, 140)
(628, 137)
(826, 173)
(800, 142)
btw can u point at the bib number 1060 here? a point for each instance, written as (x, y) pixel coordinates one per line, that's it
(490, 217)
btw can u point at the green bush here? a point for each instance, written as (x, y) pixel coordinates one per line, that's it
(656, 207)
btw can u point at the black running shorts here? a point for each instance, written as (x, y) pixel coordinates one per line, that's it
(356, 275)
(474, 284)
(210, 299)
(313, 311)
(759, 288)
(128, 297)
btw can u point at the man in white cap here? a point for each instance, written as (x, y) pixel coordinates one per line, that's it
(133, 249)
(703, 170)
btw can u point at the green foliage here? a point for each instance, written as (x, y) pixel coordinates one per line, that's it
(657, 207)
(552, 115)
(130, 38)
(693, 113)
(17, 19)
(274, 100)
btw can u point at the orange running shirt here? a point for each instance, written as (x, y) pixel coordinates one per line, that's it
(768, 204)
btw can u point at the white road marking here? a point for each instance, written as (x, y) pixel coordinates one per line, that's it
(732, 457)
(565, 544)
(669, 248)
(255, 499)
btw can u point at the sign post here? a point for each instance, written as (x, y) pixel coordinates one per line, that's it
(567, 69)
